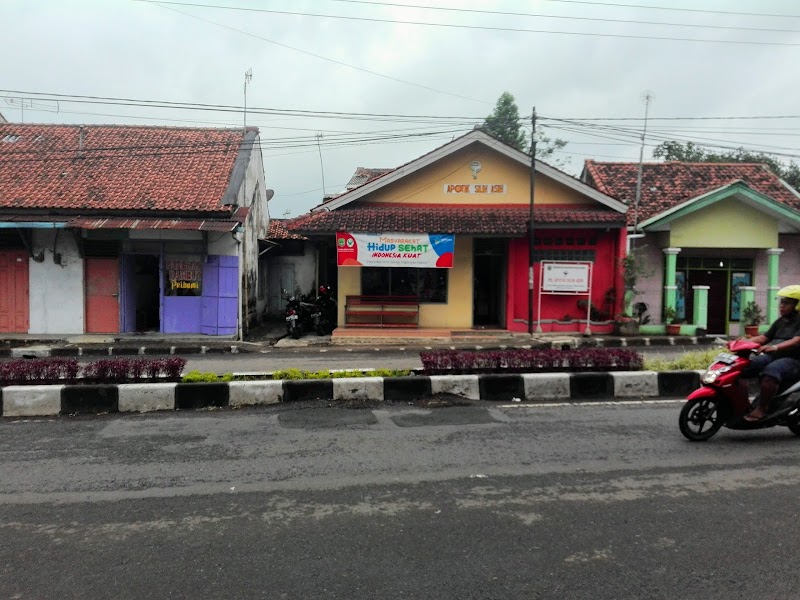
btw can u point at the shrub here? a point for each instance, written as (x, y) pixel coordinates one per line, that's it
(206, 377)
(173, 366)
(522, 361)
(110, 370)
(293, 374)
(38, 371)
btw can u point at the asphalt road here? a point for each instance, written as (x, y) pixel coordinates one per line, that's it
(600, 501)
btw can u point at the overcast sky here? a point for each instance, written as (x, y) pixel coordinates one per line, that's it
(130, 49)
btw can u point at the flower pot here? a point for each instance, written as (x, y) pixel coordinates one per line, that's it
(674, 329)
(751, 330)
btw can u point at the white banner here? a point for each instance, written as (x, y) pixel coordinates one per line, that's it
(560, 277)
(421, 250)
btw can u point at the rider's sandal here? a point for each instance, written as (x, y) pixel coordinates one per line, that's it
(752, 419)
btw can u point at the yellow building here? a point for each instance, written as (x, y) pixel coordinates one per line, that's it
(397, 268)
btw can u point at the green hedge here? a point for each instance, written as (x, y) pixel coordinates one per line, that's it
(690, 361)
(326, 374)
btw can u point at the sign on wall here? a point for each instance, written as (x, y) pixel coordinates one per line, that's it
(474, 188)
(184, 275)
(421, 250)
(560, 277)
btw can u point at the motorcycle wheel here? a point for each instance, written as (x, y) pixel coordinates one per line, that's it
(700, 419)
(297, 331)
(323, 327)
(794, 425)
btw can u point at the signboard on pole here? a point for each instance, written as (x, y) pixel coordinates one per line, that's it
(421, 250)
(565, 277)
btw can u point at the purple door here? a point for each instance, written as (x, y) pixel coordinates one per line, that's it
(220, 309)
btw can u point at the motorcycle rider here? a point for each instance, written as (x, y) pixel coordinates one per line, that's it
(778, 358)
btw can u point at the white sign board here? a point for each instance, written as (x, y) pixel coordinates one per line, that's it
(559, 277)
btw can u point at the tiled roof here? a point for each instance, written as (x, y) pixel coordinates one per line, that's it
(120, 168)
(360, 177)
(364, 175)
(453, 218)
(278, 231)
(665, 185)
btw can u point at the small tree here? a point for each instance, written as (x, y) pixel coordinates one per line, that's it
(633, 267)
(506, 125)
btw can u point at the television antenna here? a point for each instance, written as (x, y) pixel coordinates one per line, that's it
(248, 77)
(30, 104)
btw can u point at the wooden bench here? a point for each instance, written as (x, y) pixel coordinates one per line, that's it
(381, 311)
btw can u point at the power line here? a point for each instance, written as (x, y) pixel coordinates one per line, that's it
(122, 152)
(735, 118)
(501, 13)
(118, 101)
(345, 115)
(675, 9)
(614, 134)
(163, 4)
(320, 56)
(225, 124)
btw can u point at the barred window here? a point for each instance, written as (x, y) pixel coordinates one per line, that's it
(573, 255)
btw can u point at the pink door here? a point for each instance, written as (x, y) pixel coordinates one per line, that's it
(14, 314)
(102, 295)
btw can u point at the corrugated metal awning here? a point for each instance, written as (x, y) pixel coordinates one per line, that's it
(139, 224)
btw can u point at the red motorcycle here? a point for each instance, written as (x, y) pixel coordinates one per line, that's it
(724, 399)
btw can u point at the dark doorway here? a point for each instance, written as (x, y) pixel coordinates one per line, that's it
(717, 281)
(147, 292)
(489, 269)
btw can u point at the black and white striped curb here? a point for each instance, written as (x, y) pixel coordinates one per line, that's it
(50, 400)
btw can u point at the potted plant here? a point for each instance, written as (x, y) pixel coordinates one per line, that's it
(752, 318)
(673, 326)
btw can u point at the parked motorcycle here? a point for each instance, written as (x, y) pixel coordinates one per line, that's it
(325, 314)
(723, 399)
(294, 323)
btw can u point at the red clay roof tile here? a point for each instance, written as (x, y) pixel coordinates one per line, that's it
(278, 231)
(452, 218)
(665, 185)
(120, 168)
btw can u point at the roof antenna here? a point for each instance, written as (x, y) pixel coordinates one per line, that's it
(647, 98)
(81, 135)
(319, 136)
(248, 77)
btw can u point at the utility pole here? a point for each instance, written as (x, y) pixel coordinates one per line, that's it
(647, 98)
(531, 246)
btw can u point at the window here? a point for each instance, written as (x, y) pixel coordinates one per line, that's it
(429, 285)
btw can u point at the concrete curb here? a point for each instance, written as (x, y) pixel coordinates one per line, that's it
(53, 400)
(44, 350)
